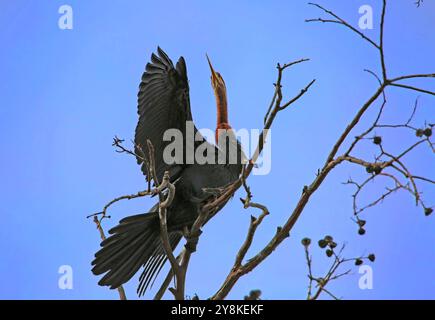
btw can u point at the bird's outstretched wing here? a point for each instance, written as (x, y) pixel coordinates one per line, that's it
(163, 103)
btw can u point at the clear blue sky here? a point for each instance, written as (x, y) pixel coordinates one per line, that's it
(65, 93)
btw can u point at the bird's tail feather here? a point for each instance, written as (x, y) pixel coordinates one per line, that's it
(134, 242)
(155, 264)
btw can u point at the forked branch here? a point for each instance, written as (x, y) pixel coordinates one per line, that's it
(332, 160)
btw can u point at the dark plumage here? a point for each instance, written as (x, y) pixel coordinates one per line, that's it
(163, 103)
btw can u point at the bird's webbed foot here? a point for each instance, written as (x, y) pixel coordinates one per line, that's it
(191, 239)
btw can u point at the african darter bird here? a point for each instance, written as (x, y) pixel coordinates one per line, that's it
(163, 103)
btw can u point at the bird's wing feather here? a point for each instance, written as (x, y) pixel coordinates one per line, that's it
(163, 103)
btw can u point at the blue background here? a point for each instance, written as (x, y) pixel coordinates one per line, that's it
(65, 93)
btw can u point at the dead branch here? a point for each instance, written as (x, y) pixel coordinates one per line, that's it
(163, 205)
(412, 88)
(333, 273)
(332, 160)
(341, 21)
(140, 194)
(395, 163)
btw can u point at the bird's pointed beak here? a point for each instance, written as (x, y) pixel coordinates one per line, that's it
(213, 73)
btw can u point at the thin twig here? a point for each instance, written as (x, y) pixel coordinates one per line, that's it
(340, 21)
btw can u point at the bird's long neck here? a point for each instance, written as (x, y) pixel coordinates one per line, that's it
(222, 111)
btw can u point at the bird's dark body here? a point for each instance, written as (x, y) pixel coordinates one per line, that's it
(190, 194)
(163, 103)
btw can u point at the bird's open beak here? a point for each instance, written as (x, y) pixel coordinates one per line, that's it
(213, 73)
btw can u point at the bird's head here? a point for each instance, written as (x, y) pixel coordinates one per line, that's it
(217, 82)
(220, 92)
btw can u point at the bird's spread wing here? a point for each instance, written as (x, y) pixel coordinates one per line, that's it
(163, 103)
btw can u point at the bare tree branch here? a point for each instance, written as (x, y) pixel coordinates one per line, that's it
(340, 21)
(412, 88)
(331, 162)
(328, 244)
